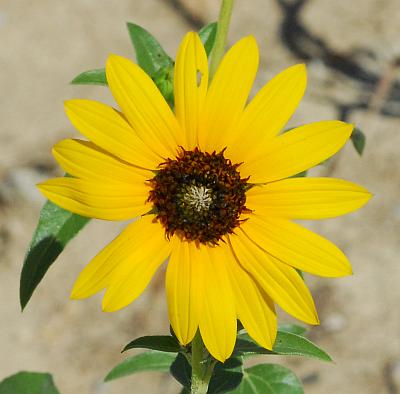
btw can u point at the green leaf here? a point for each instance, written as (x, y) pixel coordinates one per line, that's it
(226, 376)
(296, 345)
(149, 53)
(293, 328)
(148, 361)
(207, 36)
(286, 343)
(269, 379)
(181, 370)
(91, 77)
(233, 363)
(164, 343)
(164, 79)
(247, 347)
(358, 139)
(28, 383)
(224, 382)
(55, 229)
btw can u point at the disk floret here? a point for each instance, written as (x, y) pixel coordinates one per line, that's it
(198, 196)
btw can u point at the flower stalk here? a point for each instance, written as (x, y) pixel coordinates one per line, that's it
(222, 33)
(201, 369)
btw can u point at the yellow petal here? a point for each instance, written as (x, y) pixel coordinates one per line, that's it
(190, 86)
(297, 150)
(114, 201)
(280, 281)
(144, 106)
(255, 310)
(147, 250)
(106, 128)
(85, 160)
(184, 287)
(228, 94)
(306, 198)
(297, 246)
(218, 319)
(268, 112)
(96, 275)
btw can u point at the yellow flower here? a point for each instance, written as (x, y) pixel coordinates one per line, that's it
(210, 185)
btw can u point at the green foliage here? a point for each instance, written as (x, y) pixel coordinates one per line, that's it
(226, 377)
(55, 229)
(286, 343)
(28, 383)
(293, 328)
(207, 35)
(181, 370)
(246, 347)
(164, 79)
(269, 379)
(148, 361)
(230, 375)
(290, 344)
(151, 57)
(358, 139)
(156, 62)
(91, 77)
(164, 343)
(149, 53)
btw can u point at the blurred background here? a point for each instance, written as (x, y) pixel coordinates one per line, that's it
(352, 51)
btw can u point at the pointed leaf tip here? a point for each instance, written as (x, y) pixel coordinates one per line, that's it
(91, 77)
(163, 343)
(149, 53)
(148, 361)
(207, 36)
(55, 229)
(287, 343)
(358, 139)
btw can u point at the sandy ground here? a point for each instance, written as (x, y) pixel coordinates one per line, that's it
(45, 43)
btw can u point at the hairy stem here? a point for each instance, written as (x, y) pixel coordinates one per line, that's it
(201, 369)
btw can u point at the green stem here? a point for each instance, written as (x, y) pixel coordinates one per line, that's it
(222, 33)
(201, 370)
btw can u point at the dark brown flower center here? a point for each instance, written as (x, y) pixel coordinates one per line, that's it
(198, 196)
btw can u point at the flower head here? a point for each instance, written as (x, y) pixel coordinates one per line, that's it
(210, 185)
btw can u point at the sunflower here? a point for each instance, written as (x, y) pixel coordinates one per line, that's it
(211, 188)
